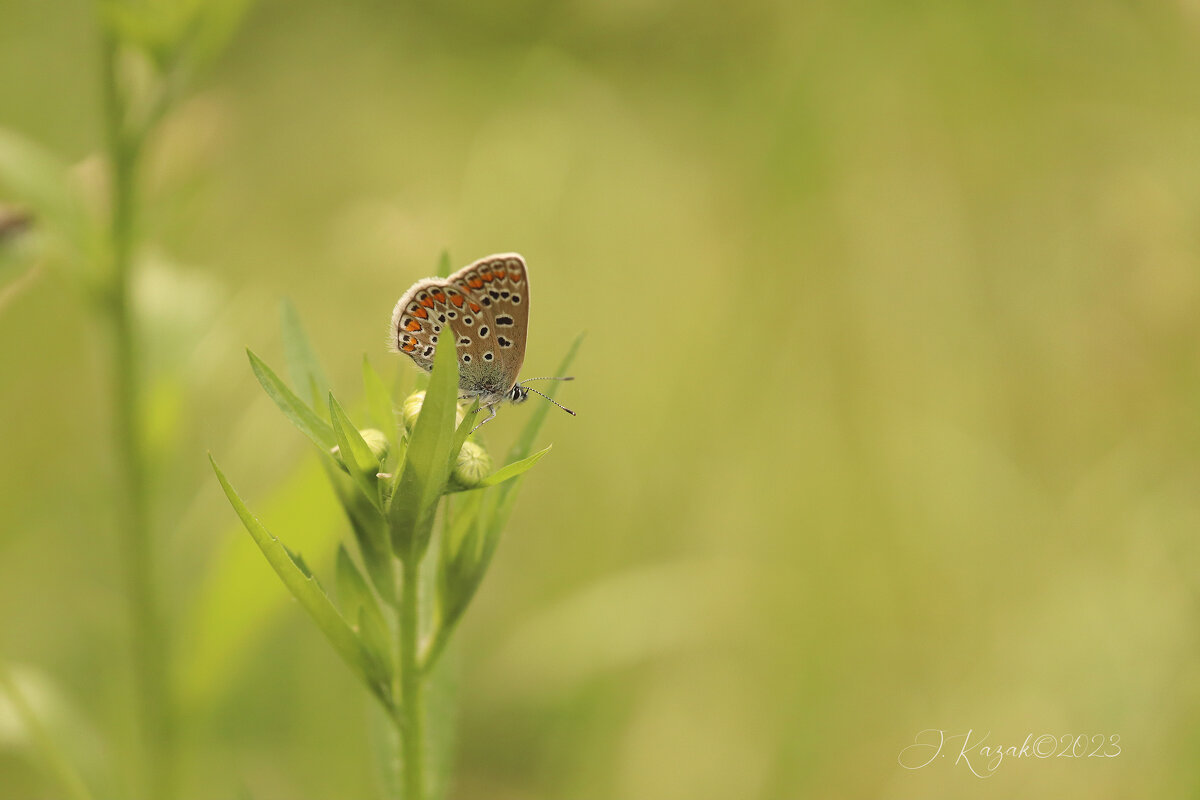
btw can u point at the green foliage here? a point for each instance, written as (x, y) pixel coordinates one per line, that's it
(299, 412)
(467, 548)
(302, 362)
(356, 456)
(422, 478)
(507, 472)
(305, 588)
(393, 523)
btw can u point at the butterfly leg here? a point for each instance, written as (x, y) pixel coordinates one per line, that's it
(491, 407)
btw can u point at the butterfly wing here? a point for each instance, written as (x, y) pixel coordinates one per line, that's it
(484, 307)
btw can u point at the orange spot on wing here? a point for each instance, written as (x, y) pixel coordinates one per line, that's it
(500, 274)
(487, 276)
(412, 325)
(475, 283)
(420, 312)
(427, 302)
(476, 307)
(457, 300)
(441, 298)
(408, 347)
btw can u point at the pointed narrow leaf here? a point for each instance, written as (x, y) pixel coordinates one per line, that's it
(354, 596)
(354, 452)
(301, 415)
(378, 642)
(303, 365)
(369, 527)
(459, 535)
(358, 603)
(379, 400)
(427, 462)
(511, 471)
(462, 432)
(309, 594)
(443, 269)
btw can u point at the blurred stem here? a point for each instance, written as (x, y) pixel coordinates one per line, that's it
(55, 760)
(412, 712)
(148, 643)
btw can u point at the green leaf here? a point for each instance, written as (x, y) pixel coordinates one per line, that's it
(510, 471)
(354, 596)
(301, 415)
(310, 595)
(463, 524)
(358, 603)
(303, 365)
(465, 564)
(369, 527)
(461, 433)
(378, 643)
(427, 462)
(379, 399)
(355, 454)
(236, 599)
(443, 269)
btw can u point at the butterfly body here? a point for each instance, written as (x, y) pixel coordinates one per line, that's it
(483, 309)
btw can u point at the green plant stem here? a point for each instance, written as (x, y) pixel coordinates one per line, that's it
(412, 711)
(148, 641)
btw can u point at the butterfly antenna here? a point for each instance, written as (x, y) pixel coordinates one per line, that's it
(551, 399)
(559, 378)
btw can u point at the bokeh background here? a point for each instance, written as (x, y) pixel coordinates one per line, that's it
(889, 409)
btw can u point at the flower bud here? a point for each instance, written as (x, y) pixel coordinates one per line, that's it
(412, 410)
(378, 441)
(472, 465)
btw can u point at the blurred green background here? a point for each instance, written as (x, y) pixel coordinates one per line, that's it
(889, 409)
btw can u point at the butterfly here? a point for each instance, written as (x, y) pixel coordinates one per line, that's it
(483, 309)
